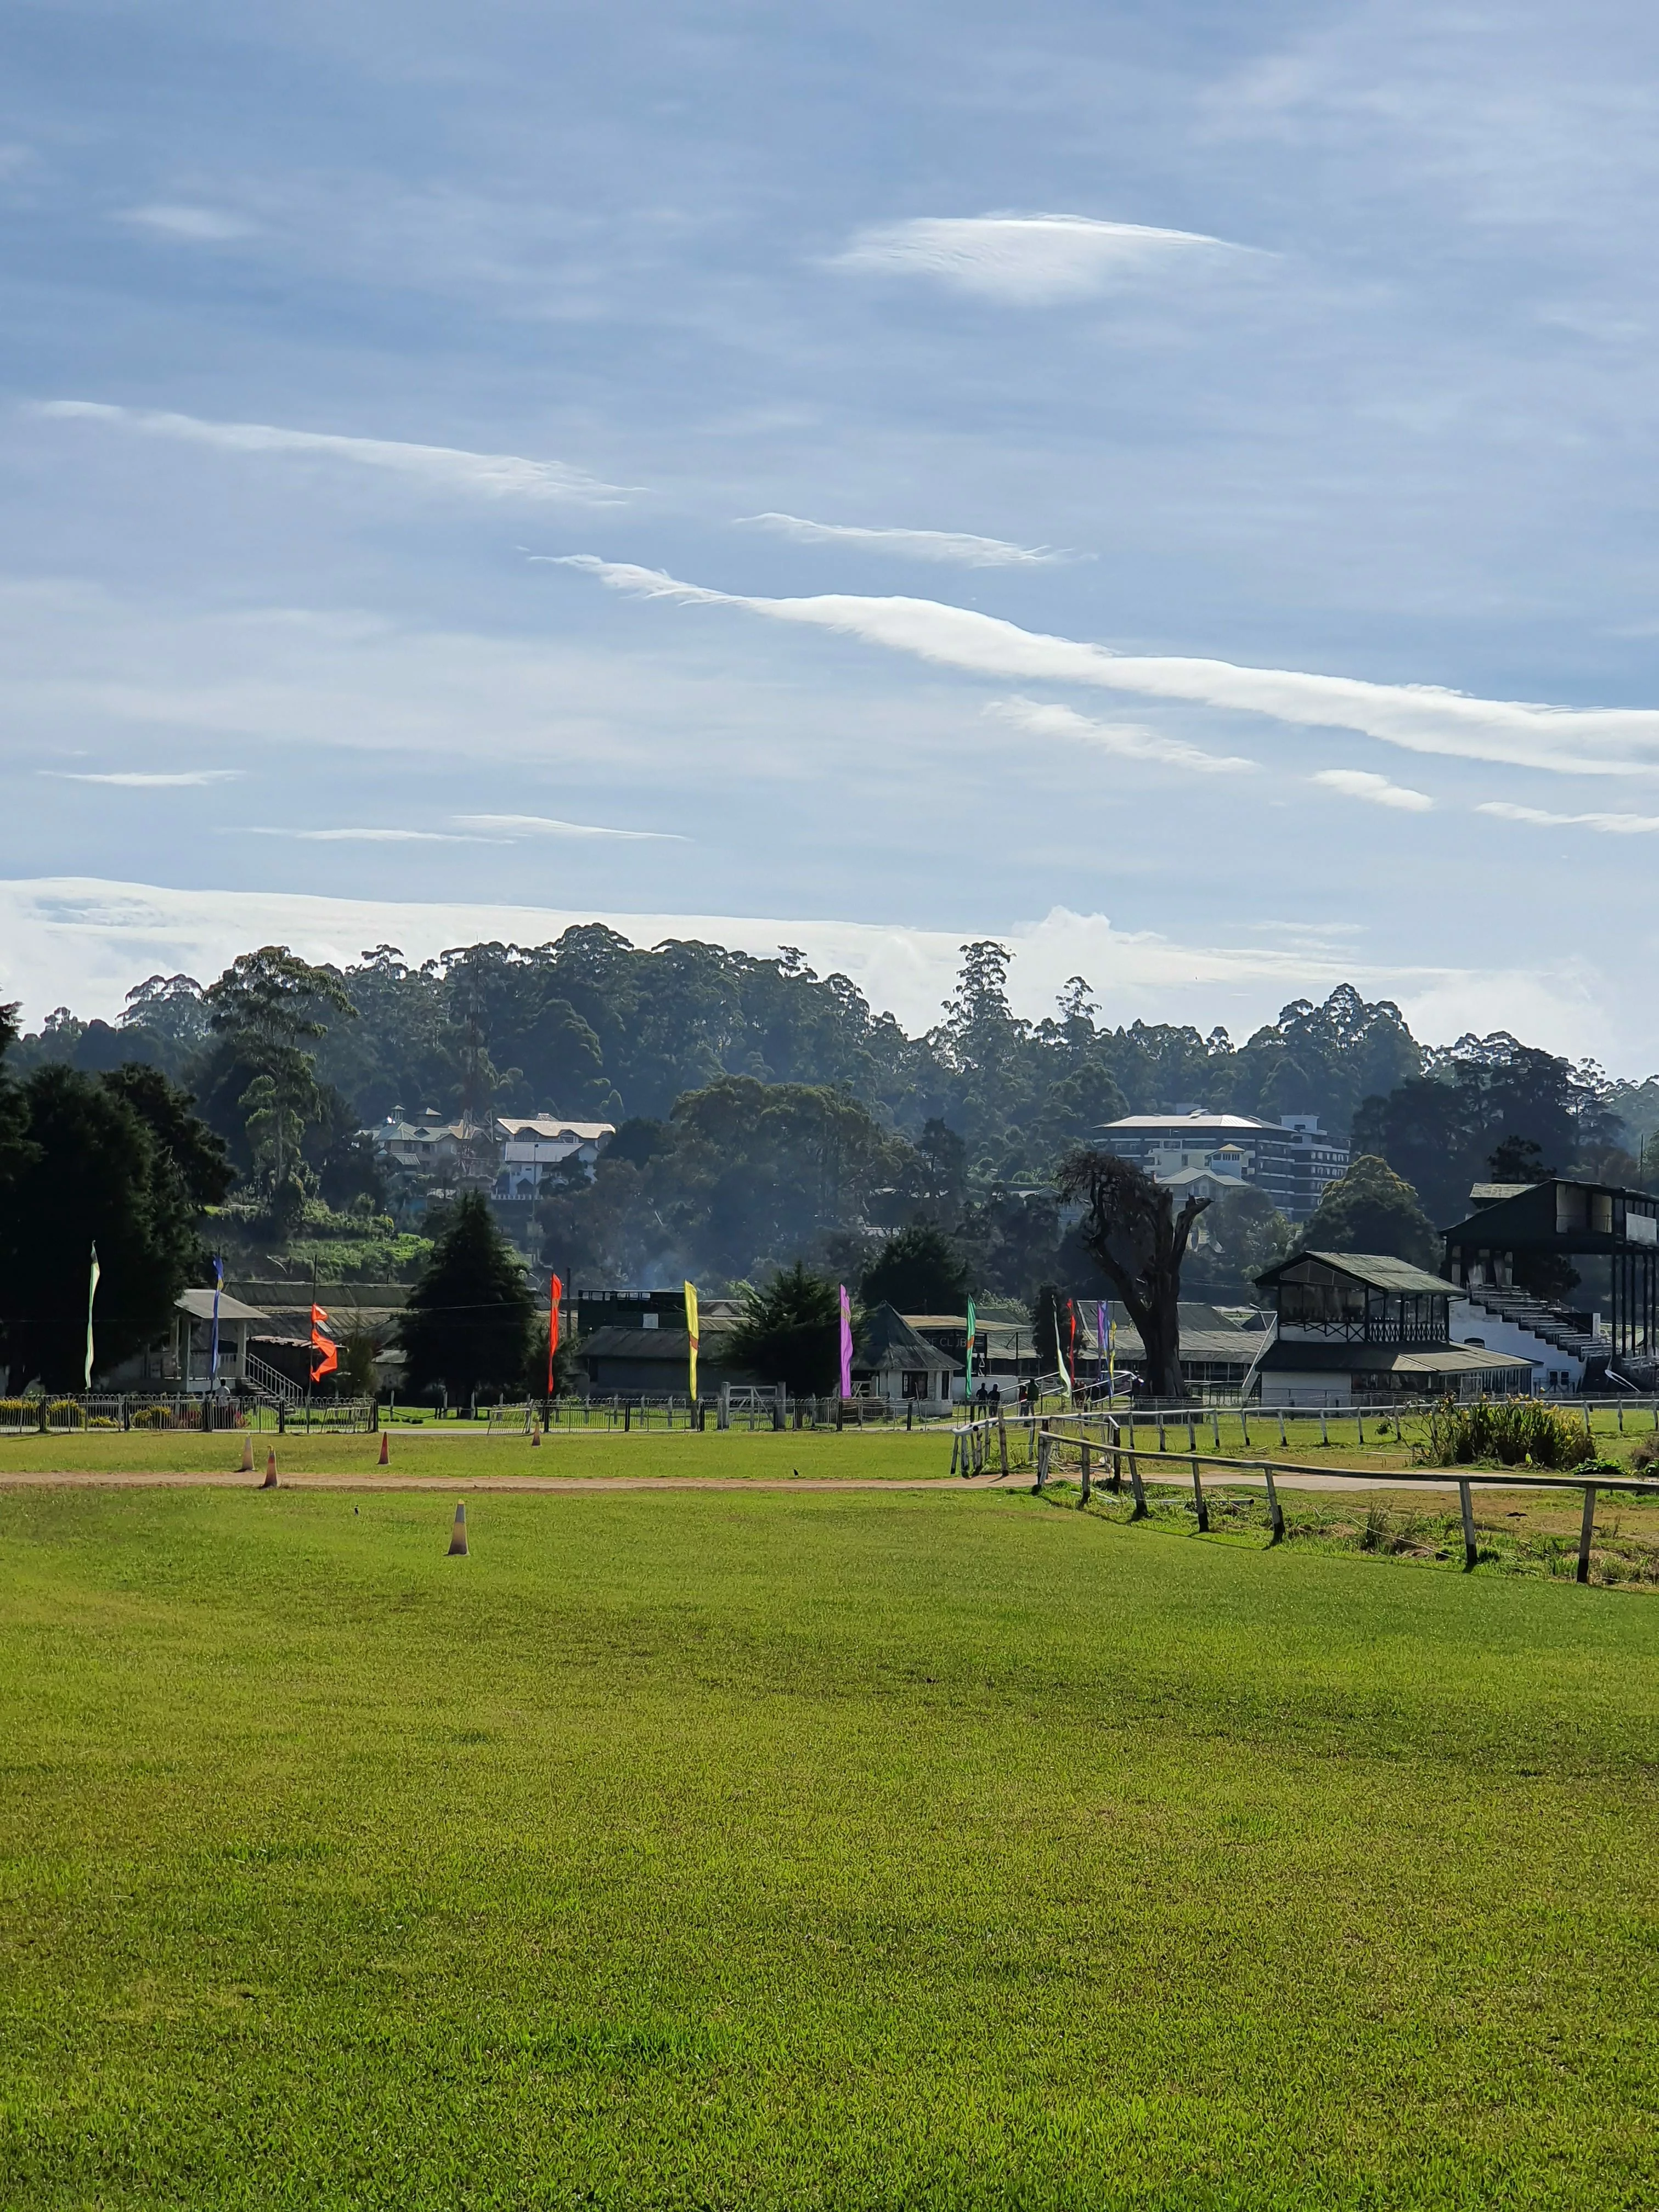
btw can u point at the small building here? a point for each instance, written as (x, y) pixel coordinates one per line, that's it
(193, 1359)
(1366, 1327)
(893, 1360)
(534, 1145)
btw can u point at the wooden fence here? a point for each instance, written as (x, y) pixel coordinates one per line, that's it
(979, 1448)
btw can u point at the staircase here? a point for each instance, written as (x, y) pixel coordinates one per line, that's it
(268, 1383)
(1551, 1325)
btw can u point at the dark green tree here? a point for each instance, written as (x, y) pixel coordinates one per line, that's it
(469, 1324)
(919, 1270)
(1372, 1209)
(790, 1331)
(87, 1167)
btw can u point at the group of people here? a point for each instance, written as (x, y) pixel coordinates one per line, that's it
(988, 1401)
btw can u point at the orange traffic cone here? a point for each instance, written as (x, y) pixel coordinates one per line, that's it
(247, 1452)
(385, 1448)
(458, 1535)
(270, 1482)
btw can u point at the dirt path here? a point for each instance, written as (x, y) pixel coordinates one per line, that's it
(160, 1479)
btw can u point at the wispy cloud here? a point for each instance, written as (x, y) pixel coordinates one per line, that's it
(1126, 740)
(363, 836)
(1613, 826)
(1376, 790)
(1420, 717)
(202, 226)
(501, 476)
(548, 825)
(1026, 260)
(132, 779)
(959, 547)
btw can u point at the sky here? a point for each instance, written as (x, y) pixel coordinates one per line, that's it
(1171, 487)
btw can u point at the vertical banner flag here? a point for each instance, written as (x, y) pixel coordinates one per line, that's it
(328, 1353)
(968, 1385)
(92, 1292)
(555, 1292)
(1068, 1352)
(1103, 1335)
(691, 1332)
(213, 1353)
(846, 1344)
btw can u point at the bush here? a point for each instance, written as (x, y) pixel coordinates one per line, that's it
(153, 1417)
(1512, 1431)
(65, 1413)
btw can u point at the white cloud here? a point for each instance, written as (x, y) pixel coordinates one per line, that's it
(1126, 740)
(1024, 259)
(1614, 825)
(84, 942)
(501, 476)
(198, 225)
(548, 825)
(959, 547)
(1376, 790)
(364, 837)
(1420, 718)
(143, 780)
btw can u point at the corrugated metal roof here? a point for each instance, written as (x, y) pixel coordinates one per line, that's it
(1378, 1271)
(199, 1305)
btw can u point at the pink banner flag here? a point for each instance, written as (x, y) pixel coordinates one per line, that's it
(845, 1345)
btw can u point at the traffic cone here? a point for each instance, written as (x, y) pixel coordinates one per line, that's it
(270, 1482)
(458, 1535)
(385, 1448)
(535, 1435)
(247, 1451)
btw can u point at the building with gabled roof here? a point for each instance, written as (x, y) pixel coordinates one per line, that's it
(1363, 1327)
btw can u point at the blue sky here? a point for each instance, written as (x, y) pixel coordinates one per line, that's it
(859, 477)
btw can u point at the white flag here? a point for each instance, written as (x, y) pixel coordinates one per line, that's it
(92, 1292)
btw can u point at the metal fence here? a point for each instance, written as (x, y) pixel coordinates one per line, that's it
(70, 1415)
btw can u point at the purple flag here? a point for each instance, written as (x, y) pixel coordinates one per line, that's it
(845, 1345)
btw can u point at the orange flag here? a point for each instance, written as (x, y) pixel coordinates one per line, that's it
(328, 1351)
(557, 1290)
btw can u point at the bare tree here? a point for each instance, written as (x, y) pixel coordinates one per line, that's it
(1132, 1231)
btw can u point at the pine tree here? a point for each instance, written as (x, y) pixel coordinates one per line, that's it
(468, 1325)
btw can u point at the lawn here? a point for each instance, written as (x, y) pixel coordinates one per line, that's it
(755, 1850)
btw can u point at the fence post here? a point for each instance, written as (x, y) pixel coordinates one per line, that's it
(1359, 1423)
(956, 1442)
(1002, 1440)
(778, 1407)
(628, 1416)
(1199, 1500)
(1244, 1423)
(841, 1412)
(1088, 1486)
(1136, 1485)
(723, 1419)
(1043, 1458)
(1275, 1511)
(1215, 1427)
(1468, 1504)
(1160, 1432)
(1586, 1530)
(1283, 1441)
(1112, 1433)
(1324, 1433)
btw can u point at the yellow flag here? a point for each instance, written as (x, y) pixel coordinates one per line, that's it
(691, 1331)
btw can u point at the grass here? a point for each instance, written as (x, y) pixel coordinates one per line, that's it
(751, 1849)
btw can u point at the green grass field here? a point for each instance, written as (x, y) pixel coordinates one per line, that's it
(715, 1849)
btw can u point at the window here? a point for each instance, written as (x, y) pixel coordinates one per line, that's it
(913, 1383)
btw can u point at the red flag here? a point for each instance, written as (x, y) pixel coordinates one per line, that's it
(325, 1346)
(557, 1290)
(1071, 1343)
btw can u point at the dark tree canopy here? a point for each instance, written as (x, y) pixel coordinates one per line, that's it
(790, 1331)
(1372, 1209)
(470, 1322)
(86, 1165)
(918, 1270)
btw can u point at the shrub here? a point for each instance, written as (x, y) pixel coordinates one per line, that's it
(1513, 1431)
(153, 1417)
(65, 1413)
(1646, 1454)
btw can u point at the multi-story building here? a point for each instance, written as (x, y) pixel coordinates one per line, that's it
(1290, 1161)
